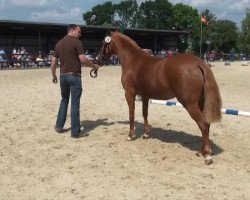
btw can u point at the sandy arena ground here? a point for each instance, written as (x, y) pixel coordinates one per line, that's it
(38, 163)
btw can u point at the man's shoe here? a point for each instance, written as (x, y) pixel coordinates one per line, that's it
(58, 130)
(81, 134)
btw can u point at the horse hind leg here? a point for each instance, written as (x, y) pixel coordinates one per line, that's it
(145, 101)
(196, 114)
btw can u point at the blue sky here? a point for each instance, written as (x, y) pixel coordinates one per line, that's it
(70, 11)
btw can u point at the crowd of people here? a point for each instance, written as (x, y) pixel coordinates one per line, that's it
(113, 60)
(20, 58)
(211, 56)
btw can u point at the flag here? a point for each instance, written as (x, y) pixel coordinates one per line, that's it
(204, 20)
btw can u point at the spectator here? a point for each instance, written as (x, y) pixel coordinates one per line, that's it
(39, 60)
(24, 54)
(13, 58)
(231, 55)
(48, 58)
(1, 53)
(14, 51)
(212, 56)
(205, 56)
(30, 61)
(114, 60)
(162, 53)
(170, 53)
(176, 51)
(18, 58)
(3, 60)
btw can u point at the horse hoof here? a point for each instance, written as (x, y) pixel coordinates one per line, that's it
(130, 138)
(199, 154)
(208, 160)
(145, 136)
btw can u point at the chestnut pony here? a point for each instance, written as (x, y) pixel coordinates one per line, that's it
(183, 76)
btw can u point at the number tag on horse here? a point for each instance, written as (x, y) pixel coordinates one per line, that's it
(107, 39)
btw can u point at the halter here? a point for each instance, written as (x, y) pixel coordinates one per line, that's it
(107, 40)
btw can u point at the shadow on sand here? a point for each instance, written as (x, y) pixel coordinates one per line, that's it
(90, 125)
(187, 140)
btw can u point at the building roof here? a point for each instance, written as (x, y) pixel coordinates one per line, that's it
(20, 28)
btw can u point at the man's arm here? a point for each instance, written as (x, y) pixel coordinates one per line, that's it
(53, 69)
(84, 60)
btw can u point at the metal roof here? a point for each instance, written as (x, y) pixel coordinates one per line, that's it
(28, 27)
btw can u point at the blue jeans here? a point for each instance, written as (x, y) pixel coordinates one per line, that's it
(70, 84)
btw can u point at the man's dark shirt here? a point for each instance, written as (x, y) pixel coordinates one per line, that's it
(67, 50)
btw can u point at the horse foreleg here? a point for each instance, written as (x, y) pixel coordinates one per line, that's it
(130, 97)
(145, 116)
(204, 126)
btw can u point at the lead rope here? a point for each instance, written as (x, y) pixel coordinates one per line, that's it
(93, 73)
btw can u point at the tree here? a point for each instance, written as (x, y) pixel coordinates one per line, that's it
(187, 18)
(217, 35)
(104, 13)
(223, 35)
(244, 35)
(155, 15)
(127, 13)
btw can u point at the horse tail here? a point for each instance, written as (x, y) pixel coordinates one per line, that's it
(212, 98)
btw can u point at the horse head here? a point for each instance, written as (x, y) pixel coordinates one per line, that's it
(107, 49)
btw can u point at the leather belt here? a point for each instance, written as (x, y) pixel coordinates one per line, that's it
(71, 73)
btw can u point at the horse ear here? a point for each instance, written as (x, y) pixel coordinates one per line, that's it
(109, 32)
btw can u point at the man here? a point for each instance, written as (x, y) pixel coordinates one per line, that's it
(3, 62)
(70, 52)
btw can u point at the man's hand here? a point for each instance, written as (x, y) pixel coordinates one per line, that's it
(97, 67)
(53, 69)
(54, 79)
(93, 72)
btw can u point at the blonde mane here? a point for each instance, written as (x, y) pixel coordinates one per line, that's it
(132, 42)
